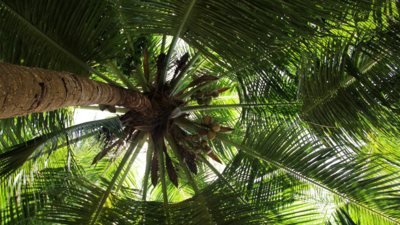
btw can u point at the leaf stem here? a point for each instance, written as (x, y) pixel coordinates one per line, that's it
(174, 41)
(105, 195)
(229, 106)
(121, 76)
(161, 165)
(130, 164)
(351, 79)
(178, 82)
(150, 150)
(141, 77)
(205, 84)
(196, 189)
(220, 176)
(163, 42)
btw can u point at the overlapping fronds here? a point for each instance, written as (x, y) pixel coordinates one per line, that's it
(57, 197)
(15, 156)
(350, 214)
(20, 129)
(310, 101)
(234, 28)
(298, 154)
(349, 90)
(63, 36)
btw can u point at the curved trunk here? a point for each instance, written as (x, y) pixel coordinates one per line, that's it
(26, 90)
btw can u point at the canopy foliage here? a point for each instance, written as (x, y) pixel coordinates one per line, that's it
(313, 107)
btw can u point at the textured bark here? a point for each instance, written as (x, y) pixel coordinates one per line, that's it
(26, 90)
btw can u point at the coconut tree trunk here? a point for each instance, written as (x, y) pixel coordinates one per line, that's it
(26, 90)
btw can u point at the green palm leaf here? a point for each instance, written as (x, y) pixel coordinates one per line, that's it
(295, 152)
(80, 39)
(310, 90)
(16, 156)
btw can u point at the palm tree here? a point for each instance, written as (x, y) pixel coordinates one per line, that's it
(260, 112)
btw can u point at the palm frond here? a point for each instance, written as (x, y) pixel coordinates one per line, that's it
(306, 160)
(20, 129)
(328, 154)
(56, 197)
(66, 37)
(14, 157)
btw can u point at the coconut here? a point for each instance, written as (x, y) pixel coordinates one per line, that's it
(195, 138)
(199, 94)
(215, 93)
(208, 100)
(201, 101)
(102, 107)
(203, 133)
(111, 109)
(211, 134)
(207, 120)
(215, 126)
(204, 143)
(207, 150)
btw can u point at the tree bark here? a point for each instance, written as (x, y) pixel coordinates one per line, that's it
(26, 90)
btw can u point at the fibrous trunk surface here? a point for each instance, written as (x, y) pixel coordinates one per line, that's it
(25, 90)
